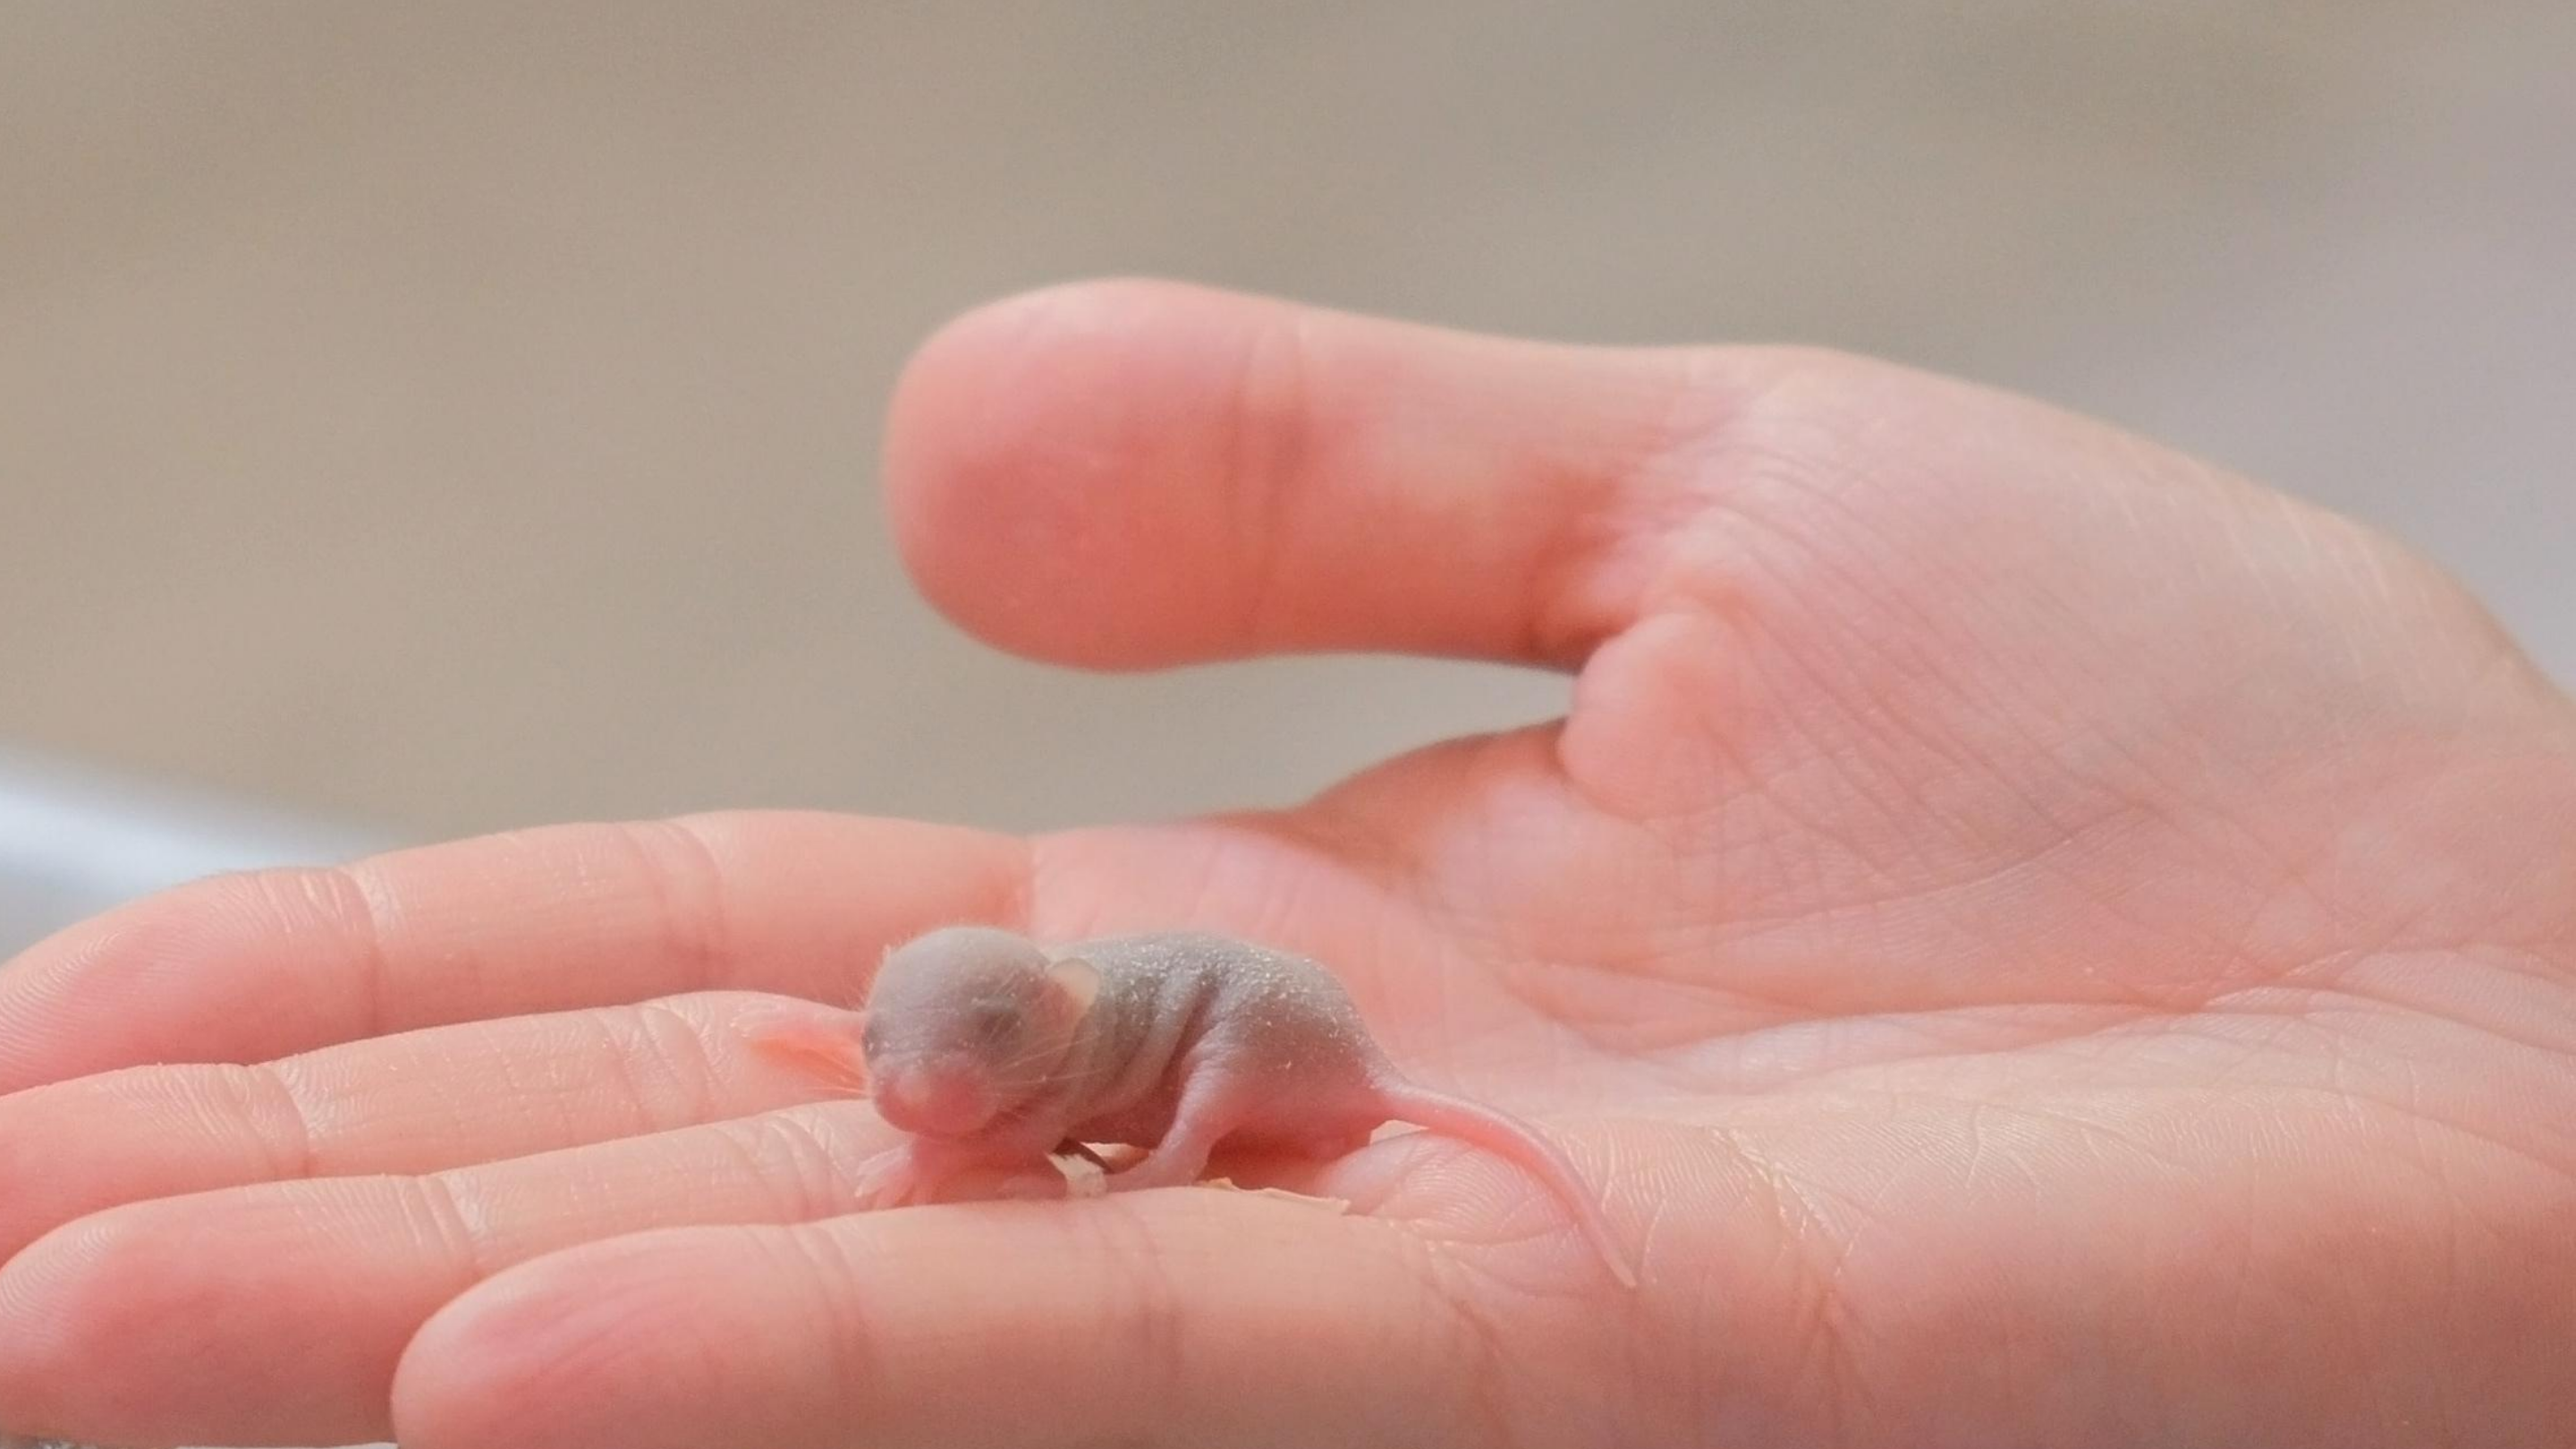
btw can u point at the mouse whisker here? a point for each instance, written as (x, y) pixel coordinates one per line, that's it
(1032, 1055)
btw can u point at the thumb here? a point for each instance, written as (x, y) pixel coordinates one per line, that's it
(1132, 475)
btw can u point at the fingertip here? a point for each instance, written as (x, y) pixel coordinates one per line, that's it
(1051, 483)
(83, 1311)
(491, 1368)
(131, 985)
(46, 1336)
(68, 1149)
(501, 1364)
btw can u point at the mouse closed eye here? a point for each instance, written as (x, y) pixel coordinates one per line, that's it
(996, 1023)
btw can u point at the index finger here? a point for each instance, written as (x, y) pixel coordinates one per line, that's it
(250, 967)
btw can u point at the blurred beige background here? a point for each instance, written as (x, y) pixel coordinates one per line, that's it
(457, 416)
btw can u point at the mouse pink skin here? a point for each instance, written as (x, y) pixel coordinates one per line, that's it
(924, 1170)
(1214, 1114)
(812, 1050)
(946, 1098)
(995, 1054)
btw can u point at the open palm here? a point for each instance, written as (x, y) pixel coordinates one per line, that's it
(2039, 942)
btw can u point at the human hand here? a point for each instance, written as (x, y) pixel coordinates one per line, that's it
(2040, 942)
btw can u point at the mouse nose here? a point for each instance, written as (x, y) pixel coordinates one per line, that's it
(941, 1098)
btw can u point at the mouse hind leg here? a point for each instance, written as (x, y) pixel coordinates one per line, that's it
(1205, 1116)
(1332, 1144)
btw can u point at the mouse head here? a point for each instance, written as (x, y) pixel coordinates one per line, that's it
(966, 1025)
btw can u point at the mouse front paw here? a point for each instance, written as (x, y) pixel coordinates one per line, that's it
(916, 1173)
(891, 1179)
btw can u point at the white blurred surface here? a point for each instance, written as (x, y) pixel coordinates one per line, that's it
(76, 841)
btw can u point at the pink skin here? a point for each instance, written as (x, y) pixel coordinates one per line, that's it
(995, 1054)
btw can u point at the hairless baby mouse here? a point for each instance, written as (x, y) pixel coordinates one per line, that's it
(993, 1052)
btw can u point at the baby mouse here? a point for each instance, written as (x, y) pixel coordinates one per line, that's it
(995, 1053)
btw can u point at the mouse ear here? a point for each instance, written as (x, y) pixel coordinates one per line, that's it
(1077, 985)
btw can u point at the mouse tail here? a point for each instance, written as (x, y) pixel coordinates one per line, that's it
(828, 1055)
(1514, 1140)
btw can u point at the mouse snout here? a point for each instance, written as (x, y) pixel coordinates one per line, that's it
(943, 1097)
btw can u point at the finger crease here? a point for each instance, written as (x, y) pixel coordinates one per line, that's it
(715, 934)
(277, 1117)
(832, 1284)
(1146, 1316)
(435, 1201)
(822, 1179)
(681, 875)
(675, 1043)
(648, 1070)
(357, 909)
(1268, 440)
